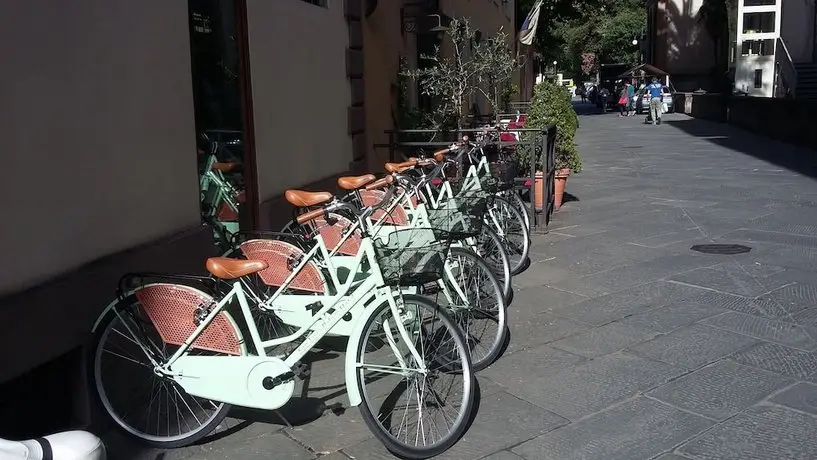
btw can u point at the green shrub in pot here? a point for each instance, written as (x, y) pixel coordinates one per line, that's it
(551, 104)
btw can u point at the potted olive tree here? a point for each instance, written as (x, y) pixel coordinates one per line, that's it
(551, 104)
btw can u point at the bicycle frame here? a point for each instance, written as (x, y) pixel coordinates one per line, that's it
(203, 375)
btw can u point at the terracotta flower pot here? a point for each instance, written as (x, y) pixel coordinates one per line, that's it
(561, 180)
(539, 191)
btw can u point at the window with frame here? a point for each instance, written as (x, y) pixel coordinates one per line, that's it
(758, 78)
(759, 23)
(757, 48)
(759, 2)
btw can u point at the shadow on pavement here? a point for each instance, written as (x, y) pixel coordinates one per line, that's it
(794, 158)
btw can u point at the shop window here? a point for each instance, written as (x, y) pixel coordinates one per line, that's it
(758, 23)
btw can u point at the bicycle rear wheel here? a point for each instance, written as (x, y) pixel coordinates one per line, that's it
(152, 408)
(439, 342)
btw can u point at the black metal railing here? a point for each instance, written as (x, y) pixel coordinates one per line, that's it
(540, 145)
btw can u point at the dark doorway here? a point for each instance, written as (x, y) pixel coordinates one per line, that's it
(223, 112)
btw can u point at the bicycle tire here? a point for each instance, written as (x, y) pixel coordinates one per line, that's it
(481, 362)
(500, 264)
(521, 206)
(101, 396)
(369, 414)
(518, 253)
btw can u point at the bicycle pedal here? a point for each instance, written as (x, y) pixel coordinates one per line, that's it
(302, 371)
(430, 288)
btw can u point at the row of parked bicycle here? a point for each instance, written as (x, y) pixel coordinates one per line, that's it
(414, 269)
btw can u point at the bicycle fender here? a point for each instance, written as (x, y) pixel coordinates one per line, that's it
(350, 369)
(108, 309)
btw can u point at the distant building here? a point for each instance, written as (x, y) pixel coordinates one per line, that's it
(775, 48)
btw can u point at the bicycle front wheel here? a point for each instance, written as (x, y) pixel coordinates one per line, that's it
(513, 196)
(474, 299)
(490, 247)
(510, 224)
(409, 418)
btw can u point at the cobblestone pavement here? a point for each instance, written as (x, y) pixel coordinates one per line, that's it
(625, 343)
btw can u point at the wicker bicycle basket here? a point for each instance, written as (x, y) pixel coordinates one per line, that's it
(486, 187)
(462, 217)
(505, 171)
(412, 257)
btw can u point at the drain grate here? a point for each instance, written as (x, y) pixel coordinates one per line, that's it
(633, 147)
(721, 249)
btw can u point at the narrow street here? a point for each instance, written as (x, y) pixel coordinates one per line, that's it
(626, 344)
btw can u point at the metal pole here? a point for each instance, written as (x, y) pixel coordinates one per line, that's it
(532, 188)
(545, 167)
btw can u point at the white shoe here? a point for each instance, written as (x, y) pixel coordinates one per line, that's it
(68, 445)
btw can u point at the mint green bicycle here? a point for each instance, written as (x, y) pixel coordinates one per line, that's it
(469, 289)
(188, 359)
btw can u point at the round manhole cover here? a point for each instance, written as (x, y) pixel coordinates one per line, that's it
(721, 249)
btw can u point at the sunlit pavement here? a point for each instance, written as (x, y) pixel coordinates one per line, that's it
(625, 343)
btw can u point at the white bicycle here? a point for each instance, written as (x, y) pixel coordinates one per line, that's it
(187, 359)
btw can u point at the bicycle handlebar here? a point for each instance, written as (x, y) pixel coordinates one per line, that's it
(380, 183)
(307, 216)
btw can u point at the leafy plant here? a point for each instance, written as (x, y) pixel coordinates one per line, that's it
(508, 92)
(450, 77)
(495, 64)
(471, 66)
(603, 27)
(551, 104)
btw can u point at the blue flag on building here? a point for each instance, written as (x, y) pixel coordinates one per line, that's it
(528, 31)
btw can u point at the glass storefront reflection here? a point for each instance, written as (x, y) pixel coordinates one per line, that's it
(218, 101)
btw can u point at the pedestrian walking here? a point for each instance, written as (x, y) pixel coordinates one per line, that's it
(623, 98)
(656, 103)
(604, 94)
(630, 97)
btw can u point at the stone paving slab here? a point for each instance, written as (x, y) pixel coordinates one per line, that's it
(759, 433)
(801, 397)
(728, 278)
(782, 332)
(519, 420)
(624, 343)
(694, 346)
(721, 390)
(604, 340)
(604, 309)
(502, 455)
(671, 317)
(638, 429)
(581, 390)
(778, 358)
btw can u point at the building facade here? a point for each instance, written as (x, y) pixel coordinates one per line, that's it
(103, 116)
(678, 44)
(404, 30)
(775, 45)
